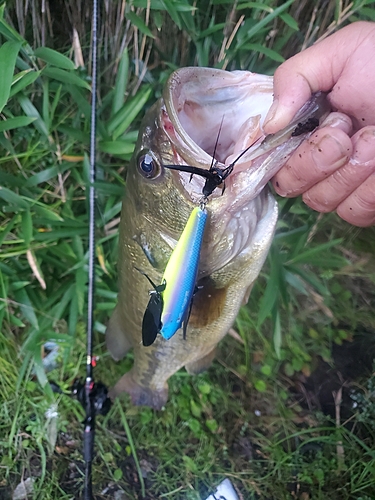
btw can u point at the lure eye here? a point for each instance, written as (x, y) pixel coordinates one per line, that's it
(148, 165)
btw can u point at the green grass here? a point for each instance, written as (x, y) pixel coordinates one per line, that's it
(245, 418)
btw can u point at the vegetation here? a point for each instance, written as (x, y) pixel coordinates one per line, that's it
(254, 416)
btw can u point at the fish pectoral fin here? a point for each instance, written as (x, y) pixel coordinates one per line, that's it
(115, 337)
(201, 364)
(140, 395)
(245, 300)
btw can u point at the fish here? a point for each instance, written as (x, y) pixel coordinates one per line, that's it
(181, 129)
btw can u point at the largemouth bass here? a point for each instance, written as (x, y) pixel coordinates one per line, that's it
(182, 129)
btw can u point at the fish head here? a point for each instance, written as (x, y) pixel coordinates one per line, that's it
(208, 118)
(205, 115)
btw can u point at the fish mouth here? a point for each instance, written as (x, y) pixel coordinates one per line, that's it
(215, 113)
(214, 118)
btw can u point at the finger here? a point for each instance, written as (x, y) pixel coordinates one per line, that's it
(338, 120)
(325, 151)
(359, 208)
(309, 71)
(326, 195)
(354, 91)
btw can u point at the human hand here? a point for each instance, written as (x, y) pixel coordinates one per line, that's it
(335, 168)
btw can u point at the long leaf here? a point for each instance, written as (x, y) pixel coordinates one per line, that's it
(31, 111)
(277, 333)
(270, 296)
(59, 233)
(121, 82)
(13, 198)
(170, 8)
(23, 80)
(306, 256)
(46, 212)
(26, 307)
(81, 278)
(116, 147)
(8, 228)
(139, 23)
(18, 122)
(257, 47)
(47, 174)
(267, 19)
(64, 76)
(27, 227)
(8, 55)
(55, 58)
(128, 112)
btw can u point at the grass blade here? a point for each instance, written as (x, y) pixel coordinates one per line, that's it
(139, 23)
(127, 113)
(26, 307)
(27, 227)
(20, 82)
(8, 56)
(31, 111)
(13, 198)
(61, 75)
(55, 58)
(132, 446)
(121, 82)
(18, 122)
(267, 19)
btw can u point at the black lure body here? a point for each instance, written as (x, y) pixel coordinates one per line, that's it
(151, 323)
(308, 126)
(215, 176)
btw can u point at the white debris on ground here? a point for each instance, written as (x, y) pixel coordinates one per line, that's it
(24, 489)
(224, 491)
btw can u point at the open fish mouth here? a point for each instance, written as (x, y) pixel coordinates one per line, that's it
(211, 115)
(204, 104)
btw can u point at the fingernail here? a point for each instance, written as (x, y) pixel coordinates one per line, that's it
(338, 120)
(328, 152)
(364, 148)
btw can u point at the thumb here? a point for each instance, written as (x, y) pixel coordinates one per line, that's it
(316, 68)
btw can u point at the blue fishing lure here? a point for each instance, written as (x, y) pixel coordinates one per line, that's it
(170, 303)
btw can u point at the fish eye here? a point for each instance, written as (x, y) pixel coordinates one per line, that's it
(148, 166)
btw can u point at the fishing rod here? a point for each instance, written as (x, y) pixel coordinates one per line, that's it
(93, 396)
